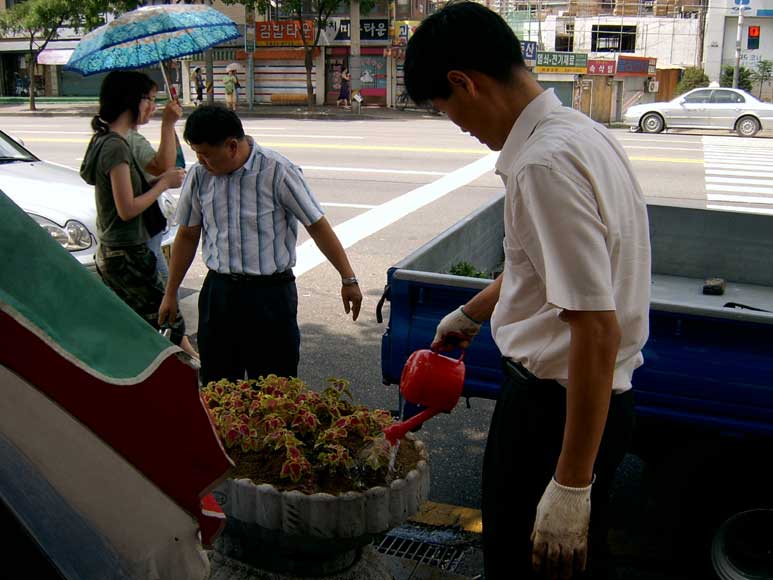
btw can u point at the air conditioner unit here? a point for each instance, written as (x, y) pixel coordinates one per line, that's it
(653, 86)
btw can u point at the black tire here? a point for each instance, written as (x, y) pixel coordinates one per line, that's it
(747, 126)
(652, 123)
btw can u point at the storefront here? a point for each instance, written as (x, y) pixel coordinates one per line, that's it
(374, 39)
(559, 71)
(637, 75)
(599, 90)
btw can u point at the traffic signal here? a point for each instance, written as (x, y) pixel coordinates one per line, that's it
(753, 38)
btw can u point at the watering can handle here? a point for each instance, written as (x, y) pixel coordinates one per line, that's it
(437, 350)
(396, 432)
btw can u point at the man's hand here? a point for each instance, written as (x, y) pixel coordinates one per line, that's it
(455, 330)
(167, 312)
(173, 112)
(352, 298)
(560, 536)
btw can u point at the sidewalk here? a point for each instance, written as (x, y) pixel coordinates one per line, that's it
(87, 108)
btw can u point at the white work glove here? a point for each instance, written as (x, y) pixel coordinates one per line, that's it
(560, 536)
(455, 330)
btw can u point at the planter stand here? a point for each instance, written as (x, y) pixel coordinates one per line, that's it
(318, 535)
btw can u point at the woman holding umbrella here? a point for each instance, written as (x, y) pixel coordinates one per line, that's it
(124, 261)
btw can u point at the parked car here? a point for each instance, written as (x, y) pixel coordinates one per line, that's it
(703, 108)
(58, 199)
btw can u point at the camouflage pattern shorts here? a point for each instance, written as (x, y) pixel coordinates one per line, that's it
(131, 273)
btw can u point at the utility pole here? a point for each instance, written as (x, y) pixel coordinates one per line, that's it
(210, 69)
(355, 67)
(738, 34)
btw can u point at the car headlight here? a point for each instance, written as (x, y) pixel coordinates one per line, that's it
(73, 236)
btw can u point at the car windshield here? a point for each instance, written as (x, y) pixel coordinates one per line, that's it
(11, 151)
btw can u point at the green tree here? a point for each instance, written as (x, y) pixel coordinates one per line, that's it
(692, 78)
(39, 21)
(763, 74)
(744, 78)
(318, 11)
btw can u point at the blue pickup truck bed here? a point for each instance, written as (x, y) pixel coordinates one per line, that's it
(709, 359)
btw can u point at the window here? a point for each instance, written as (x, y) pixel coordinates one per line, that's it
(698, 97)
(727, 97)
(403, 11)
(564, 43)
(606, 38)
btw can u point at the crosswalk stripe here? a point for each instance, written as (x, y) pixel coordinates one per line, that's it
(738, 177)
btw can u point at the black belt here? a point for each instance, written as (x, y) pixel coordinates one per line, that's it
(517, 372)
(268, 279)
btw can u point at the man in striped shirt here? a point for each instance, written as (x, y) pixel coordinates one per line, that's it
(246, 201)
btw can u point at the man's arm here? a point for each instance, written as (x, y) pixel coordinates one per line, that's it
(329, 244)
(481, 306)
(595, 340)
(183, 252)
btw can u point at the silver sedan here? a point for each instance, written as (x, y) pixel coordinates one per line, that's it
(58, 199)
(704, 108)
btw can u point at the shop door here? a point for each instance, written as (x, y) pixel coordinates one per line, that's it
(564, 90)
(586, 96)
(333, 67)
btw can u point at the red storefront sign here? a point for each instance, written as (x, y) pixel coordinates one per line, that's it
(283, 32)
(601, 67)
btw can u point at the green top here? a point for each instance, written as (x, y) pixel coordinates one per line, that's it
(103, 154)
(143, 152)
(229, 84)
(49, 292)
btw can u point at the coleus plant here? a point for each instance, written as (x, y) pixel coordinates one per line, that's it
(298, 435)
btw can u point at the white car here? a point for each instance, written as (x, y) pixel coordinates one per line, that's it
(57, 198)
(704, 108)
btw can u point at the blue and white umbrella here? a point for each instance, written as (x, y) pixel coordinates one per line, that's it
(151, 35)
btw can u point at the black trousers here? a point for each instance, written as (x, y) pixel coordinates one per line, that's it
(522, 451)
(248, 324)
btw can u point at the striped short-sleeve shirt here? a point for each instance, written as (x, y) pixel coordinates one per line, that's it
(249, 218)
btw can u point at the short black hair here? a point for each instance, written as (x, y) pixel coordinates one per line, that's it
(212, 125)
(463, 36)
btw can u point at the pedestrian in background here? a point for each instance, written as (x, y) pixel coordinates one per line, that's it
(246, 201)
(570, 311)
(345, 93)
(123, 259)
(231, 86)
(198, 83)
(153, 164)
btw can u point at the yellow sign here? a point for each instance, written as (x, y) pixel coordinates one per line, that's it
(403, 31)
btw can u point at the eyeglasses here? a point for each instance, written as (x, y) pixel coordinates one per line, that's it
(150, 99)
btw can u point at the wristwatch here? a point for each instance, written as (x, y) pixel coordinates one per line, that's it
(350, 281)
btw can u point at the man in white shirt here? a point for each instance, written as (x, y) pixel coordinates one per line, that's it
(570, 311)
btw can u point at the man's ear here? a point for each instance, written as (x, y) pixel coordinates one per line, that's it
(462, 81)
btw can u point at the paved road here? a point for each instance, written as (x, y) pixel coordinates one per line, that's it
(390, 186)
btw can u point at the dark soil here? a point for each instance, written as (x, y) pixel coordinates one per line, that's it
(260, 468)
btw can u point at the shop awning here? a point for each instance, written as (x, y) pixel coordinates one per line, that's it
(55, 56)
(23, 45)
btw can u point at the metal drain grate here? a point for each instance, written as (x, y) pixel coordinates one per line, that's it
(437, 548)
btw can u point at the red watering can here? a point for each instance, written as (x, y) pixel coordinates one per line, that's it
(432, 380)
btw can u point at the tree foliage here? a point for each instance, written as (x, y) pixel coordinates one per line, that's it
(318, 11)
(692, 78)
(744, 78)
(762, 74)
(39, 22)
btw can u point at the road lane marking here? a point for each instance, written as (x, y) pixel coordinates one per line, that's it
(742, 209)
(366, 224)
(666, 159)
(370, 170)
(696, 149)
(292, 136)
(323, 146)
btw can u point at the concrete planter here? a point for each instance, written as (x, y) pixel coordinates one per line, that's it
(319, 534)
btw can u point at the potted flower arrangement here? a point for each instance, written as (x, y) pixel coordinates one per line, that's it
(315, 478)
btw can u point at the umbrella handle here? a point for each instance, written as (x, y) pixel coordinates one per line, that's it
(169, 88)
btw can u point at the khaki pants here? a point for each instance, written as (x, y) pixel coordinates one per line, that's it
(230, 100)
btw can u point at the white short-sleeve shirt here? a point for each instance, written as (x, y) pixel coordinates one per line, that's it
(576, 238)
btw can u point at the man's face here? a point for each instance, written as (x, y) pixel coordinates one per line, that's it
(468, 110)
(217, 159)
